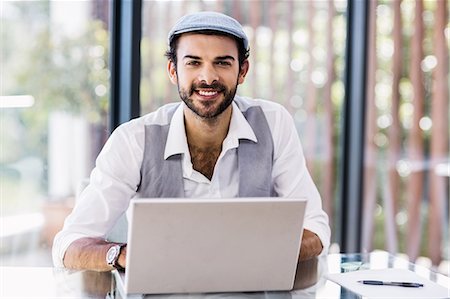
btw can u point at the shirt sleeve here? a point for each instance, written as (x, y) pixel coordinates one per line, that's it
(291, 177)
(112, 184)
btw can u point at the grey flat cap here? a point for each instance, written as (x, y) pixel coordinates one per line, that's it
(208, 20)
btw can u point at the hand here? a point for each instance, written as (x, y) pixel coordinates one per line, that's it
(311, 245)
(123, 257)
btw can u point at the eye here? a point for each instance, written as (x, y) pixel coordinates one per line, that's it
(193, 62)
(223, 63)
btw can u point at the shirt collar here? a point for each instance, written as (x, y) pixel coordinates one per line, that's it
(239, 129)
(176, 138)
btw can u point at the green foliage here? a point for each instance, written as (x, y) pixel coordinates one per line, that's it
(62, 74)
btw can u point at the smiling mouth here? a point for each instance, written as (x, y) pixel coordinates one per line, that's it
(207, 93)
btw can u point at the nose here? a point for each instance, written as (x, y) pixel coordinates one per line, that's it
(208, 74)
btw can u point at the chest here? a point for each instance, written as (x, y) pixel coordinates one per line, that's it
(204, 159)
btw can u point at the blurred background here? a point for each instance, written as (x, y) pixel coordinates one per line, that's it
(55, 107)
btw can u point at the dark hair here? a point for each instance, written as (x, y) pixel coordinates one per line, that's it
(243, 53)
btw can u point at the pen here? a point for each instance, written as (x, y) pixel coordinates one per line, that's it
(392, 283)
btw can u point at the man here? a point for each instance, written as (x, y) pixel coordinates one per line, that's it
(212, 144)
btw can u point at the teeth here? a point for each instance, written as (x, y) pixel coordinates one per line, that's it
(206, 93)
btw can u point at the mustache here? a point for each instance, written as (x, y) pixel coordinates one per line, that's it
(215, 86)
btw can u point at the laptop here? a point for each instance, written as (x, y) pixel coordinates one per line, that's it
(211, 245)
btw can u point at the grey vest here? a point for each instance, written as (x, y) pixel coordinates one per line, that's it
(164, 178)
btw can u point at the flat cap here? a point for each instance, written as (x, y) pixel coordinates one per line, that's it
(208, 20)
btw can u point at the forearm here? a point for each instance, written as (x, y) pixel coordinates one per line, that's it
(311, 245)
(90, 254)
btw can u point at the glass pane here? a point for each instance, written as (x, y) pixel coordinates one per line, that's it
(296, 59)
(54, 106)
(407, 147)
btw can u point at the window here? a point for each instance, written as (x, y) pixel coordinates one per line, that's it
(406, 169)
(55, 92)
(54, 107)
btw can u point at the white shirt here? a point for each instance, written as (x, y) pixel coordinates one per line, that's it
(116, 176)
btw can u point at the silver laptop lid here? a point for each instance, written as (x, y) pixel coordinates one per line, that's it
(213, 245)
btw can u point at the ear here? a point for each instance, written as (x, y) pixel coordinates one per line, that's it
(172, 71)
(243, 71)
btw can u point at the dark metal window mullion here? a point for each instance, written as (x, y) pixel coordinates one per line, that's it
(125, 63)
(351, 174)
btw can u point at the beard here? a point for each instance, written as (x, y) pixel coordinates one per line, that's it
(208, 110)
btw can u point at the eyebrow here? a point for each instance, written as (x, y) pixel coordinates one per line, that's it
(225, 57)
(191, 57)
